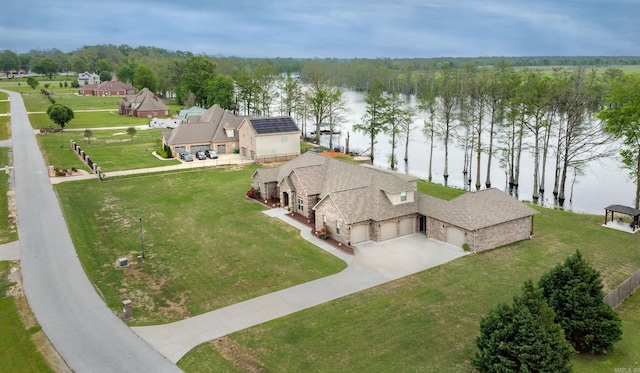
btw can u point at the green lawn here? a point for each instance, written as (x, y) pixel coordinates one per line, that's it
(207, 246)
(112, 150)
(8, 233)
(18, 352)
(429, 321)
(89, 120)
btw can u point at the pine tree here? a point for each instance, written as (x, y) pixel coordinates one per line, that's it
(522, 337)
(574, 291)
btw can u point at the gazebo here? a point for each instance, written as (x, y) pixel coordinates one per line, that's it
(625, 210)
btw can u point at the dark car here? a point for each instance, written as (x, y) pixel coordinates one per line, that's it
(200, 155)
(211, 154)
(186, 156)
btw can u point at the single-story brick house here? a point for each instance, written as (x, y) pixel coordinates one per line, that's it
(144, 104)
(110, 88)
(357, 203)
(269, 139)
(215, 129)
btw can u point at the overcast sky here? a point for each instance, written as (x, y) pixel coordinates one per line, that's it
(330, 28)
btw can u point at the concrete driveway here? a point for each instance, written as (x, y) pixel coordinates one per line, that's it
(373, 264)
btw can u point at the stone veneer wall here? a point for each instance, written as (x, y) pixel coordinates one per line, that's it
(332, 213)
(502, 234)
(485, 238)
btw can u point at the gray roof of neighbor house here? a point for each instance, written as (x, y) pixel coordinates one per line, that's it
(144, 100)
(475, 210)
(270, 125)
(212, 126)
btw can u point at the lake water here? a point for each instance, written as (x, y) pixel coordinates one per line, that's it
(604, 183)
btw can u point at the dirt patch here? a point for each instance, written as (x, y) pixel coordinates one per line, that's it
(238, 355)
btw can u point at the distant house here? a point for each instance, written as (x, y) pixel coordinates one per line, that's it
(215, 129)
(269, 139)
(110, 88)
(144, 104)
(356, 203)
(88, 78)
(191, 115)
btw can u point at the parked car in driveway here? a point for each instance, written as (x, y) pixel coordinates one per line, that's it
(200, 155)
(211, 154)
(186, 156)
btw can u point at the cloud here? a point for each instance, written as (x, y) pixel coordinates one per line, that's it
(333, 28)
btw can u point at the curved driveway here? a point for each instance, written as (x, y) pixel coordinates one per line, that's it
(85, 332)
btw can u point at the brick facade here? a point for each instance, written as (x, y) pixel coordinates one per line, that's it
(484, 238)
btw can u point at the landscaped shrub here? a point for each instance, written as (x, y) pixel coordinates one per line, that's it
(253, 193)
(162, 152)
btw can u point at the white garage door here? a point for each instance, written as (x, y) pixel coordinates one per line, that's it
(360, 233)
(455, 236)
(407, 226)
(388, 230)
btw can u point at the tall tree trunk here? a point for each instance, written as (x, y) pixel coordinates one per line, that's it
(556, 182)
(487, 182)
(479, 152)
(638, 180)
(536, 161)
(516, 179)
(545, 152)
(431, 152)
(445, 174)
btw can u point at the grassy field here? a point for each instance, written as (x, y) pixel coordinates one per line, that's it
(95, 119)
(112, 150)
(18, 352)
(429, 321)
(8, 231)
(207, 246)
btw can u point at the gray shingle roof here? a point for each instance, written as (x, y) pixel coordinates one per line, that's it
(144, 100)
(476, 210)
(210, 127)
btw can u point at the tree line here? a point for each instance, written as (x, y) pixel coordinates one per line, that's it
(483, 106)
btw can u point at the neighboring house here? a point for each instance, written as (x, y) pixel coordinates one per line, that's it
(215, 129)
(88, 78)
(269, 139)
(144, 104)
(110, 88)
(191, 115)
(357, 203)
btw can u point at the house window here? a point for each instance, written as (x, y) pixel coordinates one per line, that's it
(324, 219)
(300, 204)
(284, 139)
(253, 140)
(403, 196)
(338, 227)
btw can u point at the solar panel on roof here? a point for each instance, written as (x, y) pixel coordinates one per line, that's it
(274, 125)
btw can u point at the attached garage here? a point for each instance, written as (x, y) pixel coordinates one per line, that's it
(388, 230)
(197, 148)
(359, 233)
(455, 236)
(407, 226)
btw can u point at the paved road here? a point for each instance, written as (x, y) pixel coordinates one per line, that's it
(85, 332)
(372, 265)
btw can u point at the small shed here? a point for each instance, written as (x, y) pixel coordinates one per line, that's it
(625, 210)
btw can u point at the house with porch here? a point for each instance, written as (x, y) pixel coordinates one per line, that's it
(144, 104)
(356, 203)
(110, 88)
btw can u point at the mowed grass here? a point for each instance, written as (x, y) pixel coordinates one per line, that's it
(112, 150)
(18, 352)
(8, 233)
(206, 245)
(429, 321)
(96, 119)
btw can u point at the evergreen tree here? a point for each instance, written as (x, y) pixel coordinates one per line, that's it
(574, 291)
(522, 337)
